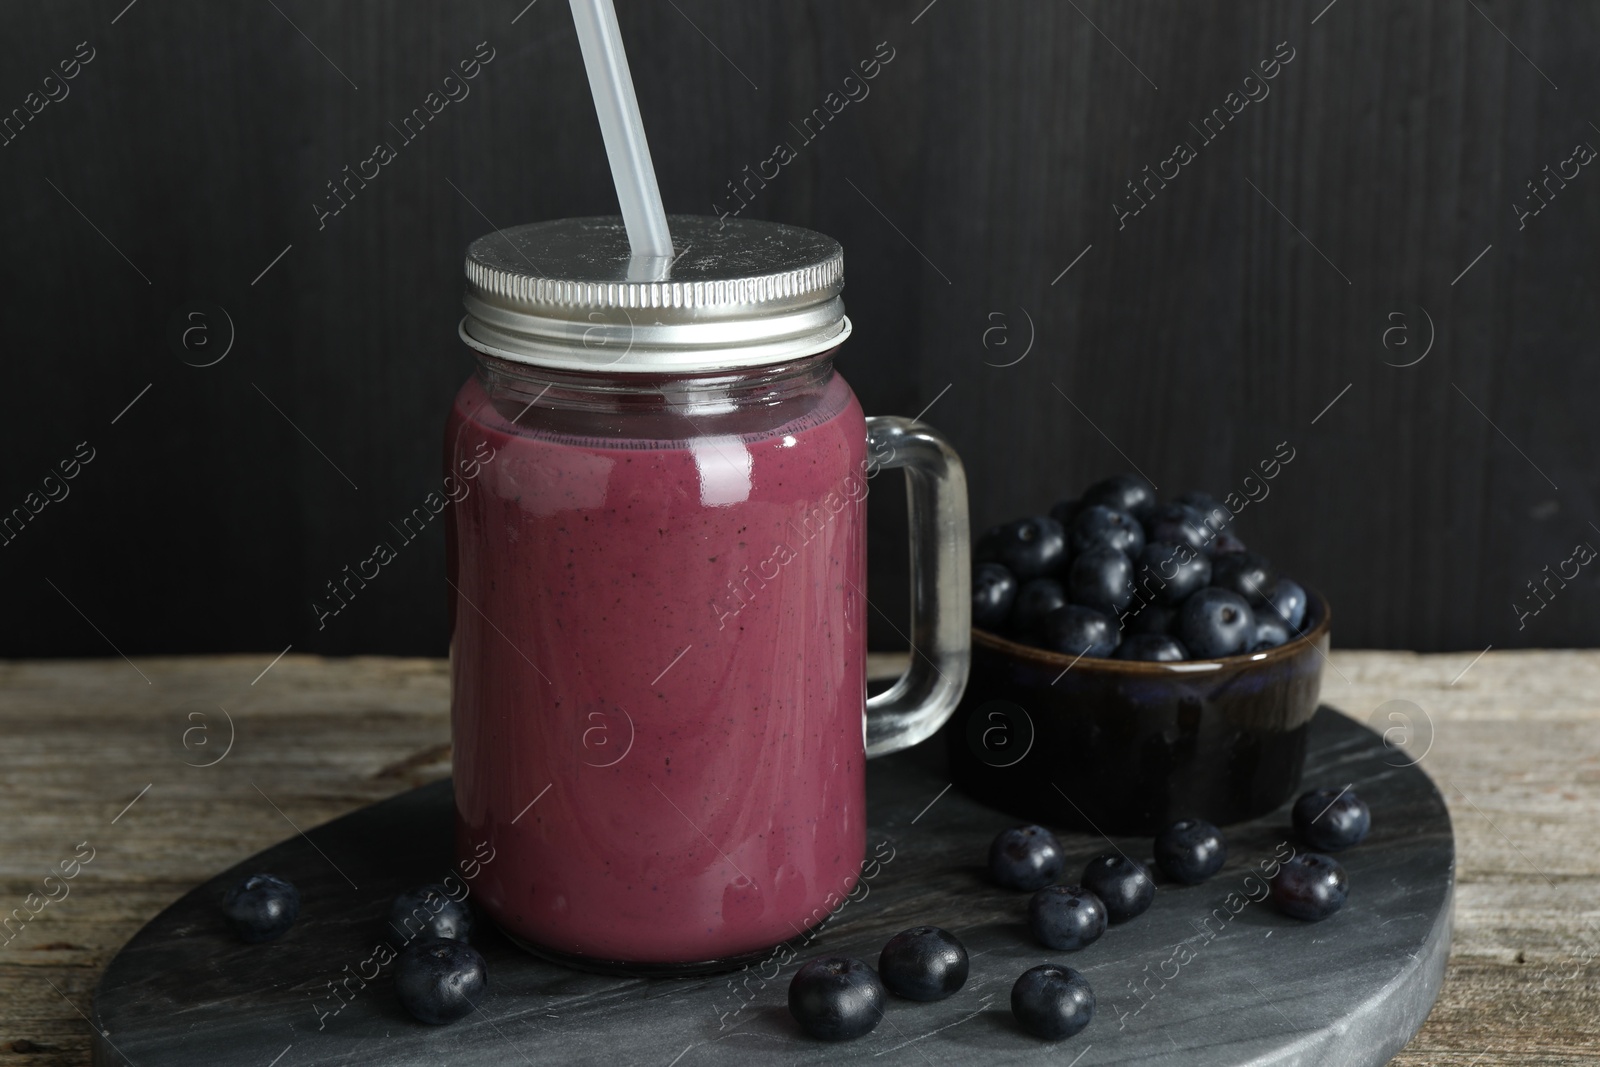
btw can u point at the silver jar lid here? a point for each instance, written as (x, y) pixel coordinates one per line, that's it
(738, 293)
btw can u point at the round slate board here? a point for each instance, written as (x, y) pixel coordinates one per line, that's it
(1206, 976)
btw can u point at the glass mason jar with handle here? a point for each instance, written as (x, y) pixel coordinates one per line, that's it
(657, 580)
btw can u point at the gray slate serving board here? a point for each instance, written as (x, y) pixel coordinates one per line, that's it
(1247, 987)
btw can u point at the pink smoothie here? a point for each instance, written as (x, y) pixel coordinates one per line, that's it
(658, 669)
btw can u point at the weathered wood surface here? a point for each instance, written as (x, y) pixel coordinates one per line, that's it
(1515, 748)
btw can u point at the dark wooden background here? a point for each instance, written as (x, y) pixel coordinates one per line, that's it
(1219, 321)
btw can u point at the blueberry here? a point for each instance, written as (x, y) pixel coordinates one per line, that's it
(1025, 857)
(1190, 851)
(1332, 819)
(923, 963)
(1101, 578)
(1152, 648)
(1079, 631)
(1035, 601)
(1098, 526)
(1214, 517)
(1215, 623)
(1246, 573)
(994, 590)
(440, 980)
(1052, 1001)
(1173, 572)
(836, 999)
(1150, 619)
(1124, 492)
(1310, 887)
(430, 911)
(261, 907)
(1290, 600)
(1177, 524)
(1225, 543)
(1271, 630)
(1125, 887)
(1066, 917)
(1031, 548)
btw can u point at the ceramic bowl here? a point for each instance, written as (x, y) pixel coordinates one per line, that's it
(1128, 747)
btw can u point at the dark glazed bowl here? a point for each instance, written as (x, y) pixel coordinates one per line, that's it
(1127, 747)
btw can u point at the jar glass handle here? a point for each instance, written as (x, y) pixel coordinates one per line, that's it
(941, 585)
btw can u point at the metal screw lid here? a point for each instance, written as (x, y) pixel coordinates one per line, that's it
(738, 293)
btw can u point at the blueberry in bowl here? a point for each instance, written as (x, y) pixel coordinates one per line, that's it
(1076, 630)
(1175, 682)
(1032, 547)
(994, 591)
(1098, 526)
(1215, 623)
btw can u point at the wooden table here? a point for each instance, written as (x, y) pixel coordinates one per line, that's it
(97, 757)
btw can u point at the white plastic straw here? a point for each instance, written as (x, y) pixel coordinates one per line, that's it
(622, 128)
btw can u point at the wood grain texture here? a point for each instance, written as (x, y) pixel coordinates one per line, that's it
(1514, 745)
(1189, 340)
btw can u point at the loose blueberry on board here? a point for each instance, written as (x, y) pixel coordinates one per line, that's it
(1123, 886)
(1124, 492)
(1290, 600)
(1310, 887)
(923, 963)
(1177, 524)
(1036, 600)
(261, 907)
(1271, 630)
(1173, 572)
(1101, 578)
(1332, 819)
(1032, 547)
(1190, 851)
(994, 590)
(1246, 573)
(1066, 917)
(440, 980)
(1152, 648)
(1079, 631)
(1025, 857)
(1052, 1001)
(1215, 623)
(836, 999)
(430, 911)
(1098, 526)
